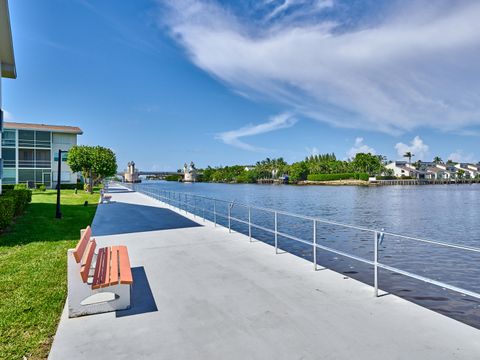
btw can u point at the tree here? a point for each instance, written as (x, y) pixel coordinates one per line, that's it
(409, 155)
(367, 163)
(298, 171)
(94, 162)
(437, 160)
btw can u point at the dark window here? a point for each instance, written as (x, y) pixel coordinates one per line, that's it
(43, 159)
(25, 158)
(26, 175)
(26, 138)
(8, 156)
(42, 139)
(8, 137)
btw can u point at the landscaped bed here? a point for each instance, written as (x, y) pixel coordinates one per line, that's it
(33, 275)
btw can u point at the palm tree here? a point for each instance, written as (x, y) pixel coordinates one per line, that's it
(409, 155)
(437, 160)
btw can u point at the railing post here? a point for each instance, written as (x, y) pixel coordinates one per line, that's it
(186, 204)
(375, 263)
(194, 206)
(315, 245)
(250, 223)
(203, 202)
(276, 233)
(214, 213)
(229, 220)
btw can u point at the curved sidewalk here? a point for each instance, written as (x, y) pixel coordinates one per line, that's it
(202, 293)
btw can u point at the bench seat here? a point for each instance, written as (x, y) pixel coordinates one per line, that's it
(112, 267)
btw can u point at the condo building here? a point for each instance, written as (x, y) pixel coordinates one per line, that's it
(30, 153)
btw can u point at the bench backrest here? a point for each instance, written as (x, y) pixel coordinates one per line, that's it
(85, 268)
(82, 244)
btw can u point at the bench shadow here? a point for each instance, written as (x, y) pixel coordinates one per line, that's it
(124, 218)
(141, 297)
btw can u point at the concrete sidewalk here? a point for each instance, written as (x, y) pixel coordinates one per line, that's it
(202, 293)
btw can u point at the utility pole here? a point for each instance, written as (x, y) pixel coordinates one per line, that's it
(58, 214)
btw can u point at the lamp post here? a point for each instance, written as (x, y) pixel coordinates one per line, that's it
(58, 214)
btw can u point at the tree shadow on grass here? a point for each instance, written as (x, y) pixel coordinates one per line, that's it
(38, 224)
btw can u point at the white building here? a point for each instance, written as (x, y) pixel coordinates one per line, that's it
(470, 173)
(403, 169)
(30, 153)
(7, 60)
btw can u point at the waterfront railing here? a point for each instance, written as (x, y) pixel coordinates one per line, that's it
(208, 208)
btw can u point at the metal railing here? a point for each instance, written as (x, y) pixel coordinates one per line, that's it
(180, 200)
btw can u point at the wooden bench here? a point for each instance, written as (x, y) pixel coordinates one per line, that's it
(105, 197)
(97, 282)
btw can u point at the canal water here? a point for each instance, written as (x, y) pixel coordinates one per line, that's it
(447, 213)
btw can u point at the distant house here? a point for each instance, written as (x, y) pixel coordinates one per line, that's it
(249, 167)
(436, 173)
(403, 169)
(469, 172)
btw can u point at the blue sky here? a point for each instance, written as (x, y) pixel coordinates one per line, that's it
(222, 82)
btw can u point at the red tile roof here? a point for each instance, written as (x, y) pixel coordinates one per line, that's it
(43, 127)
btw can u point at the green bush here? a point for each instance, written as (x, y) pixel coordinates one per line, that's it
(173, 177)
(78, 186)
(41, 187)
(21, 198)
(7, 211)
(333, 177)
(20, 187)
(7, 187)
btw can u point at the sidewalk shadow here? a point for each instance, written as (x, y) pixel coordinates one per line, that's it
(124, 218)
(141, 297)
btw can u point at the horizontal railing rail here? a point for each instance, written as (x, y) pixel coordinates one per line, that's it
(180, 201)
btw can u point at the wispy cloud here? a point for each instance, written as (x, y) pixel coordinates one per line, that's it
(416, 67)
(460, 156)
(234, 137)
(360, 147)
(417, 147)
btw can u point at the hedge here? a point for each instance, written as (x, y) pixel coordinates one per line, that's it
(21, 199)
(173, 177)
(7, 211)
(386, 177)
(13, 203)
(332, 177)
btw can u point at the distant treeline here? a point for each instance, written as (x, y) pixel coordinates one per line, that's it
(311, 168)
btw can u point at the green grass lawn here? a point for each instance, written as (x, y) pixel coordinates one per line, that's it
(33, 271)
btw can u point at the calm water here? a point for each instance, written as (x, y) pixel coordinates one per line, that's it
(448, 213)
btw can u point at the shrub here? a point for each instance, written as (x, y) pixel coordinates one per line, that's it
(78, 186)
(7, 211)
(173, 177)
(7, 187)
(21, 199)
(333, 177)
(20, 187)
(42, 187)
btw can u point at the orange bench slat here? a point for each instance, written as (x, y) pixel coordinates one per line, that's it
(82, 244)
(99, 274)
(85, 269)
(124, 266)
(114, 269)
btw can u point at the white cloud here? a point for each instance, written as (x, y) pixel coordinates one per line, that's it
(360, 147)
(417, 66)
(460, 156)
(233, 137)
(417, 147)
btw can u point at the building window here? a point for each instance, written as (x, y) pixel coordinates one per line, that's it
(64, 156)
(25, 158)
(9, 138)
(42, 139)
(25, 175)
(26, 138)
(9, 176)
(43, 159)
(8, 156)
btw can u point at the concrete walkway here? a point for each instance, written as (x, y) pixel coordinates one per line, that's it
(202, 293)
